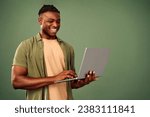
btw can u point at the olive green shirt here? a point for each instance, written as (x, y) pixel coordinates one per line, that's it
(30, 54)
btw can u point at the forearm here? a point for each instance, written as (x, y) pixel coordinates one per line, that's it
(29, 83)
(20, 79)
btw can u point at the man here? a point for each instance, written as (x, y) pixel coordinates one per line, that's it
(43, 59)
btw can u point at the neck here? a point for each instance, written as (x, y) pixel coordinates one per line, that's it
(43, 35)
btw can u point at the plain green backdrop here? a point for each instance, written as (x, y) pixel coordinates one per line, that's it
(123, 26)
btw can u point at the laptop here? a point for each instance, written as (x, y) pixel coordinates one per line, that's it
(94, 59)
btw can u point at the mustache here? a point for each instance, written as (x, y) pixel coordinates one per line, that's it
(54, 27)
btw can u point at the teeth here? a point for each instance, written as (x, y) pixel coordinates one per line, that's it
(53, 30)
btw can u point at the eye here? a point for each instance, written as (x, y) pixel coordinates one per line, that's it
(50, 21)
(53, 20)
(58, 21)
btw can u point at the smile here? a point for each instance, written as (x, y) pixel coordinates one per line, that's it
(53, 30)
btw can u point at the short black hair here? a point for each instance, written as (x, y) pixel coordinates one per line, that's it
(46, 8)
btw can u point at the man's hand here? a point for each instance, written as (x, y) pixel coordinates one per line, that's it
(65, 74)
(89, 77)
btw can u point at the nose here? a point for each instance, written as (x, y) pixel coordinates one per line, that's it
(55, 24)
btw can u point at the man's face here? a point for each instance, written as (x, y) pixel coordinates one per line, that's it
(50, 23)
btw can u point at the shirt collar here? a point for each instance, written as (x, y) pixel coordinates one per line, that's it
(38, 37)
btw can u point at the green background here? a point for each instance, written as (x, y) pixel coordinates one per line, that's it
(121, 25)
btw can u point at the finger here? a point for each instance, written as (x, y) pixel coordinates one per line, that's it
(73, 73)
(70, 72)
(69, 76)
(90, 76)
(89, 72)
(94, 75)
(87, 79)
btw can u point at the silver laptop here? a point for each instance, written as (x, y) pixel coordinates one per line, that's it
(94, 59)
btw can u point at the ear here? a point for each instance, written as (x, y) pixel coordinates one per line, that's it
(40, 20)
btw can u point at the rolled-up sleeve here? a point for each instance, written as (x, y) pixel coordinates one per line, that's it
(20, 57)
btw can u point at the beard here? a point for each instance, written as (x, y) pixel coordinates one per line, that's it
(50, 33)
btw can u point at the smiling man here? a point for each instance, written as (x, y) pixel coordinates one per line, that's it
(43, 59)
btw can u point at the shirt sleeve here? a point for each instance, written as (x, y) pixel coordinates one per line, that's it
(20, 57)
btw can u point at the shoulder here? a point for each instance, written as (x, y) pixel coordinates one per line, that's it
(67, 45)
(29, 42)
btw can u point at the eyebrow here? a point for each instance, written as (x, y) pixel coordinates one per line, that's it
(51, 19)
(47, 17)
